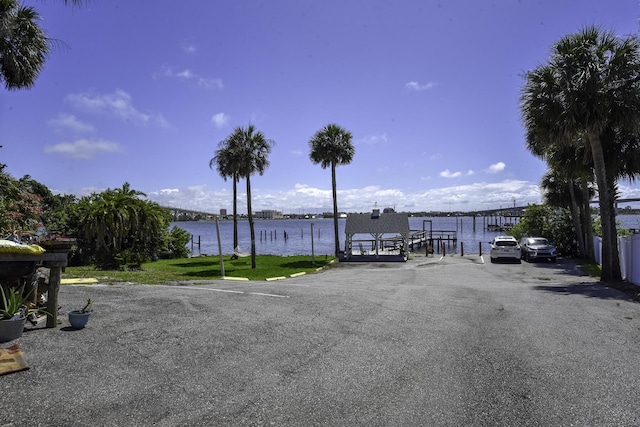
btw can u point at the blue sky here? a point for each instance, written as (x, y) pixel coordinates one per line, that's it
(143, 91)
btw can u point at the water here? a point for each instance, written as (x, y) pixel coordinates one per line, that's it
(270, 235)
(270, 238)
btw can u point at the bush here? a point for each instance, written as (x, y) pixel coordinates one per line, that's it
(551, 223)
(176, 243)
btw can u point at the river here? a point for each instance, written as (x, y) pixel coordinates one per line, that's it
(270, 234)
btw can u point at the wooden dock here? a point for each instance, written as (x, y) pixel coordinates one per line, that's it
(417, 239)
(432, 238)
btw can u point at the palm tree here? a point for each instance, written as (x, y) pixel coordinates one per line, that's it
(590, 84)
(23, 45)
(115, 221)
(331, 146)
(226, 162)
(567, 183)
(252, 150)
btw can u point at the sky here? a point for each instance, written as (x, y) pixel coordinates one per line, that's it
(143, 91)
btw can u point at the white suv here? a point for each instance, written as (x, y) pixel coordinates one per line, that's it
(505, 247)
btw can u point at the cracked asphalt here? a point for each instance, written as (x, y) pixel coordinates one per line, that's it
(438, 342)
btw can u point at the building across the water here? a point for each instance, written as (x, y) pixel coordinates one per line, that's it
(268, 214)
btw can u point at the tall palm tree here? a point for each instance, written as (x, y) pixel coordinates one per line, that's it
(590, 84)
(252, 150)
(226, 162)
(331, 146)
(567, 183)
(23, 45)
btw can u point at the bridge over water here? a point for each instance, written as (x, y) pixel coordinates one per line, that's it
(514, 211)
(181, 214)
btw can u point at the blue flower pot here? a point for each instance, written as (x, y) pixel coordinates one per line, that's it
(12, 328)
(77, 319)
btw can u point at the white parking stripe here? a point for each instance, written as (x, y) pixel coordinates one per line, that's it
(224, 290)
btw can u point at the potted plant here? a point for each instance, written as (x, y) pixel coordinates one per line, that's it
(79, 318)
(16, 306)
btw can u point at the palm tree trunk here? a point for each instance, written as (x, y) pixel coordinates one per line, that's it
(610, 270)
(615, 253)
(587, 223)
(335, 210)
(251, 229)
(235, 211)
(575, 216)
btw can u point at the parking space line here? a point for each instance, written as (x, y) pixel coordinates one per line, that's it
(225, 290)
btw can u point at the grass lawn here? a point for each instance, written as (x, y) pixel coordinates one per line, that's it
(203, 268)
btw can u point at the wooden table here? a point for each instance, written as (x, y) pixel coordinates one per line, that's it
(54, 260)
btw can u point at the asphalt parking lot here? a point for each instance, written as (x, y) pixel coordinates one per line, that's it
(442, 342)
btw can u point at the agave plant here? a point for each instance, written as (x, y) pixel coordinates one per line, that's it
(16, 304)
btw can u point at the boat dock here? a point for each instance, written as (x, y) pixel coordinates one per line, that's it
(432, 239)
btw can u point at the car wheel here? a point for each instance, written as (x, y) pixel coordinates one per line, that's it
(493, 261)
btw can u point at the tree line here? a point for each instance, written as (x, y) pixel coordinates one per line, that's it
(116, 228)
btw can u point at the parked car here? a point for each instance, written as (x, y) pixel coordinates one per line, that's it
(534, 248)
(505, 247)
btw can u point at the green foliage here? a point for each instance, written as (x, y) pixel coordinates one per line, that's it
(115, 228)
(21, 204)
(24, 45)
(544, 221)
(60, 216)
(176, 243)
(118, 229)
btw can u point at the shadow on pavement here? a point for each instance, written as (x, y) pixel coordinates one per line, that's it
(591, 290)
(563, 265)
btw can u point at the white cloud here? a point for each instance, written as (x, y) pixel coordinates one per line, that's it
(496, 168)
(220, 120)
(373, 139)
(64, 121)
(448, 174)
(478, 196)
(190, 48)
(83, 148)
(415, 86)
(189, 76)
(118, 104)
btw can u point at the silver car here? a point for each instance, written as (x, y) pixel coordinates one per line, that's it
(534, 248)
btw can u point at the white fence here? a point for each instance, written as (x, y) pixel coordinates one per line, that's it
(629, 249)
